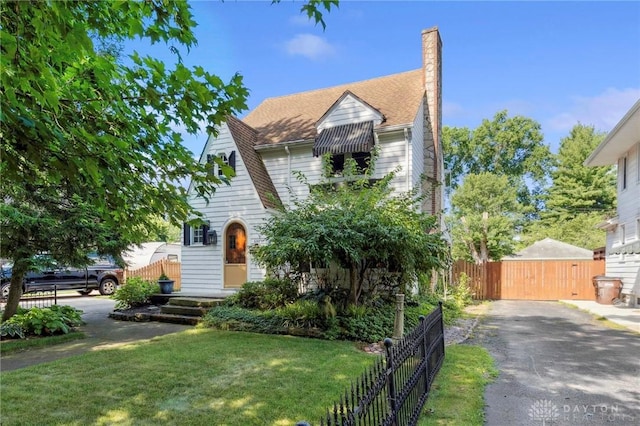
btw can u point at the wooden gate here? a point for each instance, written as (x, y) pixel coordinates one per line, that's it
(532, 279)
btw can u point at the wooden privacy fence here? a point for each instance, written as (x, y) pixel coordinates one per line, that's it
(153, 271)
(531, 279)
(394, 390)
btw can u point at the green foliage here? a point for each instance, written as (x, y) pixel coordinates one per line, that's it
(12, 329)
(268, 294)
(241, 319)
(135, 292)
(579, 197)
(358, 226)
(358, 323)
(505, 146)
(301, 313)
(90, 151)
(42, 321)
(484, 215)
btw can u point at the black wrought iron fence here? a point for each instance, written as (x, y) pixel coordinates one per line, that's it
(394, 390)
(36, 299)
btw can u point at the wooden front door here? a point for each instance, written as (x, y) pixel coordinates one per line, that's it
(235, 256)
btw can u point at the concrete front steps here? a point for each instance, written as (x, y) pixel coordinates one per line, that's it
(177, 310)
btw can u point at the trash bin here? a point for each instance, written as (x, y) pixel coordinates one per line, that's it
(607, 289)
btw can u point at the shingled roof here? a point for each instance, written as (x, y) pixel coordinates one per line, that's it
(245, 138)
(294, 117)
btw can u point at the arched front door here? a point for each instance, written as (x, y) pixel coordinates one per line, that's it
(235, 256)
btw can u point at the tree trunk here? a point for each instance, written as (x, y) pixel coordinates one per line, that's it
(15, 293)
(354, 285)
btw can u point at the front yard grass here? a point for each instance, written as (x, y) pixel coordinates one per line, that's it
(205, 377)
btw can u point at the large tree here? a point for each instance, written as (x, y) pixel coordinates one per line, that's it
(506, 146)
(89, 150)
(484, 213)
(358, 226)
(579, 196)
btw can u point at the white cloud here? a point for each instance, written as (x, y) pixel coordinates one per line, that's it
(310, 46)
(603, 111)
(302, 21)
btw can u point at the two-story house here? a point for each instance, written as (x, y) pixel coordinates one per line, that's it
(622, 147)
(399, 115)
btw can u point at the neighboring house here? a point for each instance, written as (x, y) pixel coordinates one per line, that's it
(550, 249)
(138, 256)
(622, 147)
(399, 114)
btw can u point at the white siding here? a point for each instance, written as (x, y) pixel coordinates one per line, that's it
(349, 110)
(202, 265)
(283, 175)
(393, 153)
(627, 266)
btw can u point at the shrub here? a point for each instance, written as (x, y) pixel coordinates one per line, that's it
(42, 321)
(12, 330)
(240, 319)
(302, 314)
(268, 294)
(135, 292)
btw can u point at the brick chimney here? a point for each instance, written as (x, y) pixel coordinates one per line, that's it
(432, 83)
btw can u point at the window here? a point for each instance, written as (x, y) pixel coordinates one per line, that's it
(638, 161)
(638, 229)
(622, 235)
(623, 173)
(198, 235)
(229, 160)
(225, 160)
(337, 163)
(361, 158)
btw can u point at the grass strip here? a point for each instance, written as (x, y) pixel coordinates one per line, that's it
(11, 346)
(457, 394)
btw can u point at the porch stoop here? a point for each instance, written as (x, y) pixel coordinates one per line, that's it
(177, 310)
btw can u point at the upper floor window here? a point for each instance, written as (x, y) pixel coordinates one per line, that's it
(229, 160)
(622, 173)
(361, 159)
(622, 234)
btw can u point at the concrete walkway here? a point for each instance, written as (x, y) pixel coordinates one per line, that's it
(621, 315)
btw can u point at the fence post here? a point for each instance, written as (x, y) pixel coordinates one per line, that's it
(390, 380)
(398, 324)
(441, 325)
(55, 294)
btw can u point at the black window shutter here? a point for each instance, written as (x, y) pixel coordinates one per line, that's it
(232, 160)
(186, 234)
(205, 235)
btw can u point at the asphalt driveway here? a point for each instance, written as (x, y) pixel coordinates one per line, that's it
(558, 366)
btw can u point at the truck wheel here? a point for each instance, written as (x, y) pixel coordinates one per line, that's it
(107, 286)
(4, 291)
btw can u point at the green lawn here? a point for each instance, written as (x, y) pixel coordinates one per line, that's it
(208, 377)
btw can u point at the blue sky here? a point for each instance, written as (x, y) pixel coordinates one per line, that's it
(558, 63)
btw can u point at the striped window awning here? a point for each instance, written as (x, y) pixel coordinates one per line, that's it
(353, 137)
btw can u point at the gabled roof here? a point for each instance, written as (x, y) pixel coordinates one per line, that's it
(550, 249)
(619, 140)
(345, 95)
(294, 117)
(245, 138)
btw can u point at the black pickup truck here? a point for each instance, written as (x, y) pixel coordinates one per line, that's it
(103, 276)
